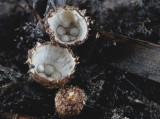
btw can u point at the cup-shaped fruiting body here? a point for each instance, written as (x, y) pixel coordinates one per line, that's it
(69, 101)
(67, 25)
(51, 65)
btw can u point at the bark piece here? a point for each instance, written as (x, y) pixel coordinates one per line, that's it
(135, 56)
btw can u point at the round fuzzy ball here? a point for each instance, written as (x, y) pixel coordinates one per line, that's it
(61, 30)
(69, 101)
(49, 69)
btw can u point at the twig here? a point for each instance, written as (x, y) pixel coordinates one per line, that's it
(15, 116)
(118, 38)
(19, 5)
(6, 86)
(37, 16)
(133, 85)
(34, 13)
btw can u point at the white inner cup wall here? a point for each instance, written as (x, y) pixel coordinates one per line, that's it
(60, 58)
(70, 16)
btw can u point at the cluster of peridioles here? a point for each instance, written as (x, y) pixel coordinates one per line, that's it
(54, 62)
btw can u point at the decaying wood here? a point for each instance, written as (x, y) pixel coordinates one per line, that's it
(14, 116)
(13, 76)
(135, 56)
(5, 87)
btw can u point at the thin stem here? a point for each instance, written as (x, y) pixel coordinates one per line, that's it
(34, 13)
(37, 16)
(19, 5)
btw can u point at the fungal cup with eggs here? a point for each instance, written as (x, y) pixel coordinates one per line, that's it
(53, 65)
(67, 25)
